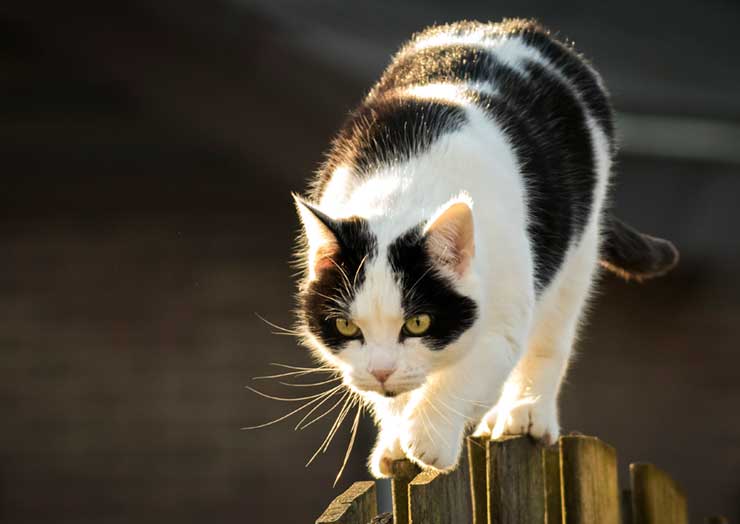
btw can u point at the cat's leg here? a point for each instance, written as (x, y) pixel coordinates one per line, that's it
(528, 404)
(437, 419)
(388, 444)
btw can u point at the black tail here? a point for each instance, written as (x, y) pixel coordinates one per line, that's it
(635, 256)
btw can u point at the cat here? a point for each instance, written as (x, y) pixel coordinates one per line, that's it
(452, 237)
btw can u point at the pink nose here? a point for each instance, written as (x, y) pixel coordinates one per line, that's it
(382, 374)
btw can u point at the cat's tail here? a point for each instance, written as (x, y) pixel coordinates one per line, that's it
(633, 255)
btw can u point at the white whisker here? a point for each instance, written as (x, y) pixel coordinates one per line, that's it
(351, 444)
(292, 399)
(337, 422)
(272, 324)
(341, 399)
(311, 384)
(280, 419)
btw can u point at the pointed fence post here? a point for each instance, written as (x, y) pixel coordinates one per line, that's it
(589, 481)
(656, 497)
(441, 498)
(357, 505)
(516, 481)
(403, 472)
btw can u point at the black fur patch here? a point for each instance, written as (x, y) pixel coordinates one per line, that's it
(547, 128)
(451, 63)
(634, 255)
(425, 291)
(330, 295)
(387, 130)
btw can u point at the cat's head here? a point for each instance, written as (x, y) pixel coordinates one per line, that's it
(389, 311)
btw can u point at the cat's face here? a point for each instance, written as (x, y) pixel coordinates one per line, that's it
(388, 314)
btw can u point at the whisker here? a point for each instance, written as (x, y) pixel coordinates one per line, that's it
(345, 277)
(476, 402)
(357, 273)
(351, 444)
(288, 374)
(424, 421)
(280, 419)
(439, 412)
(272, 324)
(293, 399)
(335, 429)
(311, 384)
(453, 410)
(425, 273)
(301, 428)
(434, 428)
(337, 421)
(320, 368)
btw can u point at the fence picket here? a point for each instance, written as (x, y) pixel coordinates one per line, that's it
(441, 498)
(357, 505)
(516, 481)
(589, 481)
(656, 497)
(403, 472)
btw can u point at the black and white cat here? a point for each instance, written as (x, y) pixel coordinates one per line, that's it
(453, 236)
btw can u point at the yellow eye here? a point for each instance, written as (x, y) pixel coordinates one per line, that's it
(417, 325)
(347, 328)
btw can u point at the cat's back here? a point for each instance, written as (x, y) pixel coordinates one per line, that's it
(503, 59)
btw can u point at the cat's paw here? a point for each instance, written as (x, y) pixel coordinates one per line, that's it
(382, 458)
(436, 448)
(538, 419)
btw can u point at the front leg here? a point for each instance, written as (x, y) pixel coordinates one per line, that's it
(432, 437)
(436, 422)
(387, 450)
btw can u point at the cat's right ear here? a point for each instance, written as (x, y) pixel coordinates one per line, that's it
(323, 245)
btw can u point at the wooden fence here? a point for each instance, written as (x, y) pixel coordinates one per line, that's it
(516, 481)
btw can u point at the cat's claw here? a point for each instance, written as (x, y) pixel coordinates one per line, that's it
(538, 420)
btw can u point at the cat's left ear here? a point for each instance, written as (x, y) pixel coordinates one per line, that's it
(323, 244)
(449, 236)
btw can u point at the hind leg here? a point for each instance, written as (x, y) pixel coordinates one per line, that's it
(528, 403)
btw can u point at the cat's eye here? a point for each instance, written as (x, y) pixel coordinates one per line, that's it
(346, 327)
(417, 325)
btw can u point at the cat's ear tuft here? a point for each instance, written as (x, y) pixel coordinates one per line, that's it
(450, 235)
(322, 241)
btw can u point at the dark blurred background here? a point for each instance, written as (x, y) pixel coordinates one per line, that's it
(147, 152)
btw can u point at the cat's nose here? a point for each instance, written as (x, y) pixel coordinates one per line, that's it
(382, 374)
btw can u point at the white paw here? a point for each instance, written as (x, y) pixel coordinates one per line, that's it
(436, 447)
(538, 419)
(382, 458)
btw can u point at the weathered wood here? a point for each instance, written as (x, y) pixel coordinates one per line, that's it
(717, 519)
(553, 495)
(516, 481)
(656, 497)
(478, 468)
(441, 498)
(588, 481)
(403, 472)
(357, 505)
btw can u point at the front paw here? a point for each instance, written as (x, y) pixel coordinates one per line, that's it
(382, 458)
(433, 447)
(537, 418)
